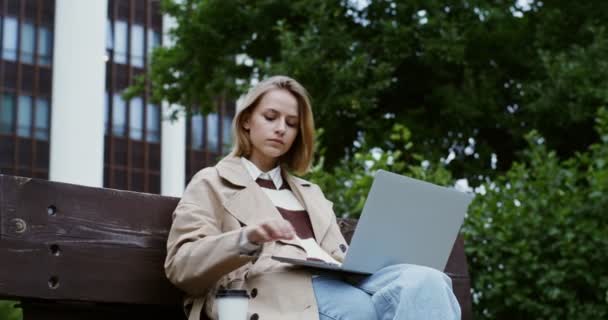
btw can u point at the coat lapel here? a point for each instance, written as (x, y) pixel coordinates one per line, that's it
(250, 205)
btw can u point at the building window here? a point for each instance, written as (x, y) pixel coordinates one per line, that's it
(198, 134)
(136, 119)
(137, 45)
(25, 89)
(213, 138)
(209, 137)
(109, 35)
(133, 136)
(153, 40)
(153, 123)
(197, 125)
(24, 116)
(7, 111)
(25, 34)
(28, 38)
(226, 133)
(45, 45)
(119, 116)
(41, 125)
(120, 41)
(9, 39)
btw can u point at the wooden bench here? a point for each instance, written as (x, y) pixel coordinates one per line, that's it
(74, 252)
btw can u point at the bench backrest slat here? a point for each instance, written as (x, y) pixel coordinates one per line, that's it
(84, 246)
(100, 245)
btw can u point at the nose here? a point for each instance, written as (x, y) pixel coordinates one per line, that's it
(281, 127)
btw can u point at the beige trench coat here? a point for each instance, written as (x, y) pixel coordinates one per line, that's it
(203, 246)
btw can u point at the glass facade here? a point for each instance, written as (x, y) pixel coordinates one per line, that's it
(153, 123)
(9, 38)
(132, 128)
(25, 86)
(209, 137)
(132, 139)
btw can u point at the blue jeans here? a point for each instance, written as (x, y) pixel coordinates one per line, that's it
(398, 292)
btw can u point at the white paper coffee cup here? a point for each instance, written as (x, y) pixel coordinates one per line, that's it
(232, 304)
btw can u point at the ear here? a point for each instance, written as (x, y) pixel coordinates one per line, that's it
(246, 124)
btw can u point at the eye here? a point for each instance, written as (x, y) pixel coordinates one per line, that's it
(269, 117)
(292, 124)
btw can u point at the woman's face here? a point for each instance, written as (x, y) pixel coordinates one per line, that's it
(273, 126)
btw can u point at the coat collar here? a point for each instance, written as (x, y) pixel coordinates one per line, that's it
(275, 175)
(232, 169)
(251, 205)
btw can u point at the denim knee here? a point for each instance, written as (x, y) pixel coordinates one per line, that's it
(408, 291)
(422, 277)
(338, 300)
(426, 292)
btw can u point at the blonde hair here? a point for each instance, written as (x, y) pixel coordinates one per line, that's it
(299, 157)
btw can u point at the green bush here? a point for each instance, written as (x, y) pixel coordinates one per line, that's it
(537, 241)
(8, 311)
(536, 237)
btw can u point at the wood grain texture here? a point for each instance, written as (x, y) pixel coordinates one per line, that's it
(73, 252)
(100, 245)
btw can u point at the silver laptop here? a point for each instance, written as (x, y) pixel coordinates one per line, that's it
(404, 220)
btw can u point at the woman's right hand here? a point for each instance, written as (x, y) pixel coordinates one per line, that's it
(272, 230)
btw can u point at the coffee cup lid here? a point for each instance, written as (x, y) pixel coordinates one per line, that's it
(231, 293)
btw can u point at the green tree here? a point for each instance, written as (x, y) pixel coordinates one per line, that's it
(537, 240)
(348, 184)
(467, 73)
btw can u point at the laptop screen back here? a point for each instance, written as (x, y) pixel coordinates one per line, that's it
(405, 220)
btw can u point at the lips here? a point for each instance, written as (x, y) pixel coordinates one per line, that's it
(276, 141)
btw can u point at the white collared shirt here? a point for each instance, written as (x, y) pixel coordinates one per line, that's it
(255, 172)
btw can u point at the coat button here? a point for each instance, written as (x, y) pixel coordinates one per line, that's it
(254, 292)
(254, 317)
(343, 247)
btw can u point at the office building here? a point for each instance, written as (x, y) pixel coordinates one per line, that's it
(64, 66)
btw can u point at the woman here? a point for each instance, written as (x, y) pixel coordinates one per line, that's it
(233, 217)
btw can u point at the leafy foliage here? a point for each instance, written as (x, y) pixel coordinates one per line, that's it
(465, 73)
(347, 184)
(8, 311)
(537, 240)
(536, 237)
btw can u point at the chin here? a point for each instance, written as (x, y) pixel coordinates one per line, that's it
(273, 153)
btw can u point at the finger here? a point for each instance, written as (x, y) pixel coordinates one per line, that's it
(272, 230)
(258, 235)
(288, 230)
(283, 229)
(264, 235)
